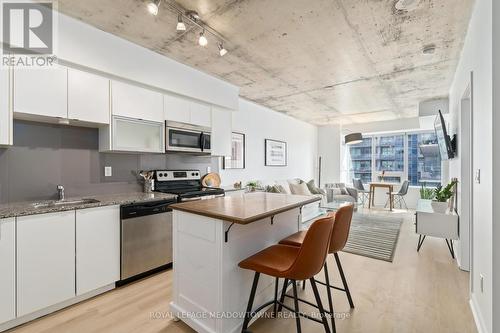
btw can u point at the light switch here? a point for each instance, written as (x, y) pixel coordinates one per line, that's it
(477, 176)
(209, 169)
(108, 171)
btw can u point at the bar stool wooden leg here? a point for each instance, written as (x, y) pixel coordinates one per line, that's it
(320, 306)
(344, 281)
(304, 284)
(329, 293)
(248, 314)
(296, 304)
(283, 292)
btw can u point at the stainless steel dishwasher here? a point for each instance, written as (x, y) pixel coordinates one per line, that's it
(146, 237)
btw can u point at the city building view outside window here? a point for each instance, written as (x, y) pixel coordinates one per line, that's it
(396, 157)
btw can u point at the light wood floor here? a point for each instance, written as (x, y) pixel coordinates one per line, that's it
(418, 292)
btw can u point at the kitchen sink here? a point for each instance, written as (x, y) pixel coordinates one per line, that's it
(64, 203)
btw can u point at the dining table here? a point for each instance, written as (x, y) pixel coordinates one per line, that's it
(390, 189)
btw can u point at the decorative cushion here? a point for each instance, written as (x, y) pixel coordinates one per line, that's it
(312, 187)
(272, 189)
(285, 186)
(300, 189)
(342, 188)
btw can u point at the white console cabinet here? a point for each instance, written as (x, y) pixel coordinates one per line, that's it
(440, 225)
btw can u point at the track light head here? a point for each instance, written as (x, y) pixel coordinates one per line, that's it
(153, 6)
(202, 40)
(222, 50)
(181, 26)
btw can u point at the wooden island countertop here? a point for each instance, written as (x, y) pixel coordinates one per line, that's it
(246, 208)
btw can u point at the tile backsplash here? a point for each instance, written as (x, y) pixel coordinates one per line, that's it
(44, 155)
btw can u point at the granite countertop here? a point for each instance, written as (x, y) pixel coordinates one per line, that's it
(28, 208)
(247, 208)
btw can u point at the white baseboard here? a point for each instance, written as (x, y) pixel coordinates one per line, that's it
(478, 318)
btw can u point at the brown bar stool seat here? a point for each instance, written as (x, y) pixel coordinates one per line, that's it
(291, 263)
(340, 233)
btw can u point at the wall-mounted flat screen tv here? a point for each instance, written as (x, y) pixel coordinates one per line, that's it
(444, 142)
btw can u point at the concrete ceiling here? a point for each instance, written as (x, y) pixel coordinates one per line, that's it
(322, 61)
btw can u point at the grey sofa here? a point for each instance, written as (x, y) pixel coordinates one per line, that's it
(340, 192)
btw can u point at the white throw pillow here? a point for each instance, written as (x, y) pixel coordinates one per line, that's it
(300, 189)
(285, 185)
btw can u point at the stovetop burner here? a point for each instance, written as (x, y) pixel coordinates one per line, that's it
(184, 184)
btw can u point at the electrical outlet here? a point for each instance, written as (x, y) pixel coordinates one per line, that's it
(108, 171)
(209, 169)
(481, 282)
(477, 176)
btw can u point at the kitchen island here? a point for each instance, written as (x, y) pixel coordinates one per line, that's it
(210, 238)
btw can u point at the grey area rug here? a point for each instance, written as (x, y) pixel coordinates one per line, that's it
(373, 236)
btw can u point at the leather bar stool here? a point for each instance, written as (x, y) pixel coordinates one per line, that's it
(292, 263)
(341, 226)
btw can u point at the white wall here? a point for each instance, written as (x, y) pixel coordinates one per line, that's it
(496, 167)
(259, 123)
(477, 57)
(329, 149)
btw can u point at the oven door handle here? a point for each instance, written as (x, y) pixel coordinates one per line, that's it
(190, 199)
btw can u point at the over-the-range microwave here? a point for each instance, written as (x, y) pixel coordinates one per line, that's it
(187, 138)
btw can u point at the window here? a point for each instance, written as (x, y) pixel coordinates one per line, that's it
(396, 157)
(424, 160)
(361, 160)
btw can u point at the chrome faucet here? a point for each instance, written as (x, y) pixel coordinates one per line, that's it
(60, 192)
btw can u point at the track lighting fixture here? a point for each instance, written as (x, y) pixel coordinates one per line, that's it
(222, 50)
(180, 24)
(153, 6)
(202, 40)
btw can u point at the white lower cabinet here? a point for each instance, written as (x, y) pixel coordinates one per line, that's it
(97, 248)
(45, 260)
(7, 269)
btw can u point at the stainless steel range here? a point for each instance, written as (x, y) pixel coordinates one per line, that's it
(186, 184)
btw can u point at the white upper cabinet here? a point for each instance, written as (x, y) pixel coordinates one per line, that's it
(7, 269)
(97, 248)
(187, 111)
(45, 260)
(5, 110)
(88, 97)
(176, 109)
(201, 114)
(41, 92)
(137, 135)
(221, 132)
(136, 102)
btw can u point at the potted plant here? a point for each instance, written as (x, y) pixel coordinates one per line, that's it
(252, 185)
(426, 193)
(441, 196)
